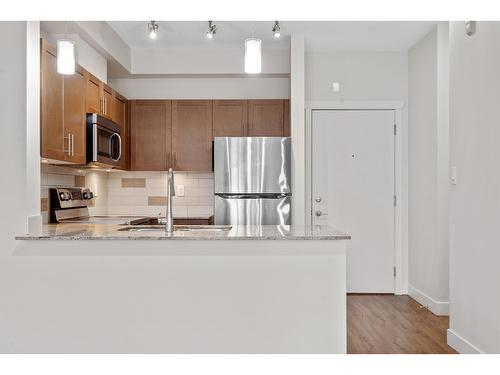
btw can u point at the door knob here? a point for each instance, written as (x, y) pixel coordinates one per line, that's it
(318, 213)
(317, 199)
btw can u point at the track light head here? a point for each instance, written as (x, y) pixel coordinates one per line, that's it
(212, 30)
(153, 29)
(276, 30)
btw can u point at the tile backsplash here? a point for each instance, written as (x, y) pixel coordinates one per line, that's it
(144, 193)
(133, 193)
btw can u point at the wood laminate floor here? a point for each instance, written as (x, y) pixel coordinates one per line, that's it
(388, 324)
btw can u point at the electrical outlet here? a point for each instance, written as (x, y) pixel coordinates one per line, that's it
(336, 86)
(179, 190)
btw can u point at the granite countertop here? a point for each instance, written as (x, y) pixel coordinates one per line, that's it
(112, 232)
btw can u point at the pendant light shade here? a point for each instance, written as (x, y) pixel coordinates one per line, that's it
(253, 55)
(65, 56)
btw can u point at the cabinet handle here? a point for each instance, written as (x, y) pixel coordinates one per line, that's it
(72, 145)
(67, 150)
(105, 106)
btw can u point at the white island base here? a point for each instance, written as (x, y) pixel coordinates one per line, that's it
(188, 296)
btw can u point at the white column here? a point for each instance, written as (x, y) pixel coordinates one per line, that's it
(297, 123)
(33, 125)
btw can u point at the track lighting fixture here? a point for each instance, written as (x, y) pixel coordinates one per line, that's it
(276, 30)
(212, 29)
(153, 29)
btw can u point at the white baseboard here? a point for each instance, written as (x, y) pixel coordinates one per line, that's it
(437, 307)
(460, 344)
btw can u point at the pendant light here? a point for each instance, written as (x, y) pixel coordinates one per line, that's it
(253, 55)
(65, 54)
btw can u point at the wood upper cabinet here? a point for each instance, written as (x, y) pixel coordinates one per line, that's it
(286, 118)
(93, 95)
(266, 118)
(192, 135)
(99, 97)
(62, 110)
(230, 118)
(52, 142)
(120, 117)
(74, 116)
(107, 99)
(150, 135)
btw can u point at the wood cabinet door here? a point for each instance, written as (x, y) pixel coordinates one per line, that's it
(192, 135)
(265, 118)
(52, 142)
(74, 116)
(120, 117)
(93, 95)
(286, 118)
(150, 135)
(230, 118)
(107, 97)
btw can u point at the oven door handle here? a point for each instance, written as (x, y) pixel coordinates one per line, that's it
(111, 147)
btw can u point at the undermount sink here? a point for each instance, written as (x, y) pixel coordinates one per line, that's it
(177, 228)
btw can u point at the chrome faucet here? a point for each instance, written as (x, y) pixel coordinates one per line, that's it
(169, 225)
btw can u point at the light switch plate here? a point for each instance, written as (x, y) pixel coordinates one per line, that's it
(179, 190)
(453, 175)
(336, 86)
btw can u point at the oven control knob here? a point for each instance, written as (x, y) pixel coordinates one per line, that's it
(64, 196)
(88, 195)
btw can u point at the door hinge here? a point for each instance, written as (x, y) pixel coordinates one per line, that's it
(395, 200)
(395, 129)
(394, 271)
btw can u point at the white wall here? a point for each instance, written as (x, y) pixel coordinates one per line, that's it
(18, 135)
(105, 40)
(205, 61)
(203, 88)
(475, 200)
(91, 60)
(428, 186)
(362, 75)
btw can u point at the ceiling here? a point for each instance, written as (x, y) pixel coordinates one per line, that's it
(331, 35)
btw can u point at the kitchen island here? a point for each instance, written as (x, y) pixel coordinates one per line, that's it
(244, 289)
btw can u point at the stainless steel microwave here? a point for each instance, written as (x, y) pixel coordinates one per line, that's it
(104, 143)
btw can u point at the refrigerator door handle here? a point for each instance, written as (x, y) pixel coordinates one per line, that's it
(253, 209)
(253, 196)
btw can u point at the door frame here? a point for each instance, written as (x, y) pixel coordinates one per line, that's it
(400, 175)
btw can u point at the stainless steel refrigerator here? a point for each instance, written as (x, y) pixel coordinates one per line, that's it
(252, 180)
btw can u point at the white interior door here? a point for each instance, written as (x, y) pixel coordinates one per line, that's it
(353, 190)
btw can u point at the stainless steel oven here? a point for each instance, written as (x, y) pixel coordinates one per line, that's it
(104, 143)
